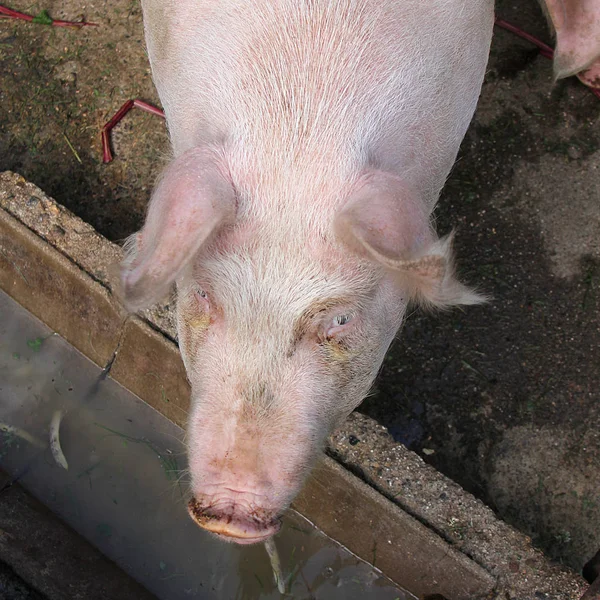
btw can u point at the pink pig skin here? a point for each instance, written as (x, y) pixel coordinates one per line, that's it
(311, 139)
(577, 26)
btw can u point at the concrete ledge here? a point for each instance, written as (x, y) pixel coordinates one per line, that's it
(48, 284)
(373, 528)
(149, 364)
(57, 266)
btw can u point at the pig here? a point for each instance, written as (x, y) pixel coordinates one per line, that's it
(577, 27)
(310, 141)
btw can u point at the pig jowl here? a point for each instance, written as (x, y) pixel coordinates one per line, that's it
(310, 142)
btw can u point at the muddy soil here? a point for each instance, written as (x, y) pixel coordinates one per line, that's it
(503, 398)
(58, 87)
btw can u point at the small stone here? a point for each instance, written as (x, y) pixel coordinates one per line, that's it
(52, 208)
(574, 152)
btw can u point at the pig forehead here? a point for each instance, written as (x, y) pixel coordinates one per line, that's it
(285, 278)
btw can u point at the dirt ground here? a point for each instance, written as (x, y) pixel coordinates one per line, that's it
(13, 587)
(503, 398)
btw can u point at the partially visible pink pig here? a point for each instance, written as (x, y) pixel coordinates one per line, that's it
(577, 27)
(311, 139)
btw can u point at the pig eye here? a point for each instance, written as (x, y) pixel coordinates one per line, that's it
(202, 297)
(338, 324)
(341, 320)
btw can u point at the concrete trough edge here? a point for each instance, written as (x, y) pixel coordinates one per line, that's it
(58, 267)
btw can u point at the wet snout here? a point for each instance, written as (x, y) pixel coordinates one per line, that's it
(234, 521)
(246, 463)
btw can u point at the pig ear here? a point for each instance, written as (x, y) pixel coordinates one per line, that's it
(577, 26)
(384, 221)
(191, 201)
(430, 279)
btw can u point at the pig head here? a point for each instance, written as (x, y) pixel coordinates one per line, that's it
(310, 142)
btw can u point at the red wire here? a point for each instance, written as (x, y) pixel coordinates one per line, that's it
(117, 117)
(15, 14)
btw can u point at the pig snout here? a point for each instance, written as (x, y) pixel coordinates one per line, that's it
(234, 516)
(246, 468)
(235, 492)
